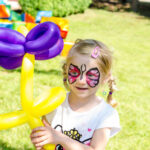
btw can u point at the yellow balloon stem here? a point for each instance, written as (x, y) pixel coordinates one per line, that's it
(36, 122)
(27, 82)
(27, 93)
(22, 29)
(49, 147)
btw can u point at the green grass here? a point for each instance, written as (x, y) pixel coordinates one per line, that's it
(128, 35)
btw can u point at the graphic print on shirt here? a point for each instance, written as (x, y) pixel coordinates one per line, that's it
(92, 75)
(74, 134)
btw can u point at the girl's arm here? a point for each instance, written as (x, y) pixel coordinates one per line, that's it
(99, 141)
(48, 135)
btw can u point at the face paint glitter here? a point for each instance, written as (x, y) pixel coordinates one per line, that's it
(73, 73)
(92, 77)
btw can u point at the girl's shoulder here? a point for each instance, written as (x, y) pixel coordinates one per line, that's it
(102, 108)
(107, 108)
(108, 117)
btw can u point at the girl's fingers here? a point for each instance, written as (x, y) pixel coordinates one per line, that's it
(41, 144)
(39, 139)
(38, 148)
(44, 118)
(38, 129)
(37, 134)
(46, 123)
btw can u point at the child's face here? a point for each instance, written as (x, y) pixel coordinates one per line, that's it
(83, 75)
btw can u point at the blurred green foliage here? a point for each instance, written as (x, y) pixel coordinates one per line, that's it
(59, 8)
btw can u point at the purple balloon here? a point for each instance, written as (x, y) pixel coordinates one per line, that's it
(44, 41)
(42, 37)
(11, 43)
(11, 62)
(12, 50)
(11, 36)
(51, 52)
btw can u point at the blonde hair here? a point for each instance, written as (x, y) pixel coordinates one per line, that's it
(104, 61)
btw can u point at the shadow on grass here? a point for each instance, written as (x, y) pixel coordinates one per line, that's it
(4, 146)
(36, 71)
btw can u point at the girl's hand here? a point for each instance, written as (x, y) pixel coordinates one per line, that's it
(41, 136)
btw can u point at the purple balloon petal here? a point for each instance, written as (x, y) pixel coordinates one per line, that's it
(11, 50)
(42, 37)
(11, 62)
(52, 52)
(11, 36)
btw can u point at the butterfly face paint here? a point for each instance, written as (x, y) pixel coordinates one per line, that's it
(92, 77)
(83, 69)
(73, 73)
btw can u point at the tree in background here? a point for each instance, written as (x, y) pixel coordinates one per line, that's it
(60, 8)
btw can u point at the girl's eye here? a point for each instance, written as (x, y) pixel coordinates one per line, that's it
(74, 73)
(91, 76)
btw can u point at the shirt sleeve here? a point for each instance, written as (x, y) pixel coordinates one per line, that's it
(110, 120)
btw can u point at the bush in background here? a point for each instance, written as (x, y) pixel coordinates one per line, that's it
(59, 8)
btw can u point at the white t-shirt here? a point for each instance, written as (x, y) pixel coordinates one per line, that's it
(81, 125)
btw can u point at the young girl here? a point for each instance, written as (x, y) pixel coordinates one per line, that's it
(84, 121)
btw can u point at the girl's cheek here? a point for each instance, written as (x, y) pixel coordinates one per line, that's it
(92, 83)
(72, 79)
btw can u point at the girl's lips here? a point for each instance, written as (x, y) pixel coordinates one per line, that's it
(81, 88)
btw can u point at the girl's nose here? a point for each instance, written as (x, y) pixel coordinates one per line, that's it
(82, 79)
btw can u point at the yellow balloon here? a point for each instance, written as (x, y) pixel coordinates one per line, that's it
(27, 82)
(43, 107)
(12, 119)
(22, 29)
(48, 102)
(32, 109)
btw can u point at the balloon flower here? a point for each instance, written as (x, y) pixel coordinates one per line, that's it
(32, 109)
(44, 41)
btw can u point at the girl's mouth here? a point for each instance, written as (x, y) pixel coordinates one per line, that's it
(81, 88)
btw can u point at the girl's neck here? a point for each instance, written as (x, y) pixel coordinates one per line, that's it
(81, 104)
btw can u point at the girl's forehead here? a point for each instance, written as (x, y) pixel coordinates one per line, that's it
(80, 60)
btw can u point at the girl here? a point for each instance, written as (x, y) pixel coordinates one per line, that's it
(84, 121)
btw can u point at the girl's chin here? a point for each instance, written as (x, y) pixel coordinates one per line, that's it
(82, 94)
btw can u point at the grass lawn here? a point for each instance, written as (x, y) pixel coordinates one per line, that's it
(128, 35)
